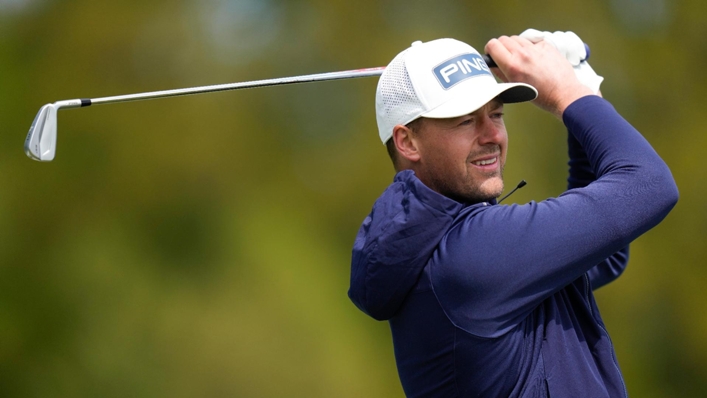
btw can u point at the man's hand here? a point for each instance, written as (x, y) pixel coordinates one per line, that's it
(540, 65)
(573, 48)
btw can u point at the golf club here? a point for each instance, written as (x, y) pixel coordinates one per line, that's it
(40, 143)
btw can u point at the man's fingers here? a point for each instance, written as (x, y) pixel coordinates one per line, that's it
(522, 41)
(509, 53)
(498, 51)
(515, 43)
(502, 50)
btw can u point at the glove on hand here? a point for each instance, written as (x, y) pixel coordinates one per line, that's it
(572, 47)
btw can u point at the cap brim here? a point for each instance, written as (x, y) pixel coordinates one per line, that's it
(468, 101)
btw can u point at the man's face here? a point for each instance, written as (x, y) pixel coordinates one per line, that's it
(463, 157)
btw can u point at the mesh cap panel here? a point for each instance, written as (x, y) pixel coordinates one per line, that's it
(396, 100)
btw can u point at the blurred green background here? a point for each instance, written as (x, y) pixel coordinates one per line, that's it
(199, 246)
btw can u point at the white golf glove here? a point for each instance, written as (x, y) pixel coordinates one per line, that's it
(572, 47)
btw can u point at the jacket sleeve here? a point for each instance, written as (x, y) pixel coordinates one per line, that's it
(581, 174)
(395, 242)
(498, 263)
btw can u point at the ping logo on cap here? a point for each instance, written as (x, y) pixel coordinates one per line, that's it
(460, 68)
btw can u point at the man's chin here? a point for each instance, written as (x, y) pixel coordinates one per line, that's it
(489, 190)
(492, 188)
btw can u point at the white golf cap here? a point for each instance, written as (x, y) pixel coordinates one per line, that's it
(439, 79)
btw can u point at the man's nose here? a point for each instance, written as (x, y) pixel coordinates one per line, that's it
(491, 131)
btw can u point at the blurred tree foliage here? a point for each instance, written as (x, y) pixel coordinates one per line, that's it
(199, 246)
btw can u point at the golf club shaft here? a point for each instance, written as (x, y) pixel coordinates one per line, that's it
(40, 143)
(350, 74)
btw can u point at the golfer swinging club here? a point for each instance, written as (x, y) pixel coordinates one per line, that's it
(489, 300)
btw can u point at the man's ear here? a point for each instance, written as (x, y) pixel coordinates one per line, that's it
(406, 143)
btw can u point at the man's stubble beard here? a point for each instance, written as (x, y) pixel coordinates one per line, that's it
(473, 192)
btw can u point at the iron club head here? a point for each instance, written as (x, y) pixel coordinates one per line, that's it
(40, 143)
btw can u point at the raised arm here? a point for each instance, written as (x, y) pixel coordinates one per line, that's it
(581, 174)
(500, 262)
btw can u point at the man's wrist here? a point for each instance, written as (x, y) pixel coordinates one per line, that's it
(571, 96)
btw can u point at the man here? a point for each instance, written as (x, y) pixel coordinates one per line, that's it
(494, 300)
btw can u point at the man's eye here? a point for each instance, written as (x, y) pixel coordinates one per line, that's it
(466, 122)
(497, 115)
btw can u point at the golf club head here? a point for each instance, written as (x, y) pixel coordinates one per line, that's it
(41, 140)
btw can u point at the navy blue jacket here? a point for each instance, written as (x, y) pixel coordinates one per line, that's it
(494, 300)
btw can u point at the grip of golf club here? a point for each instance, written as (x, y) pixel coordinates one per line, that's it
(492, 64)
